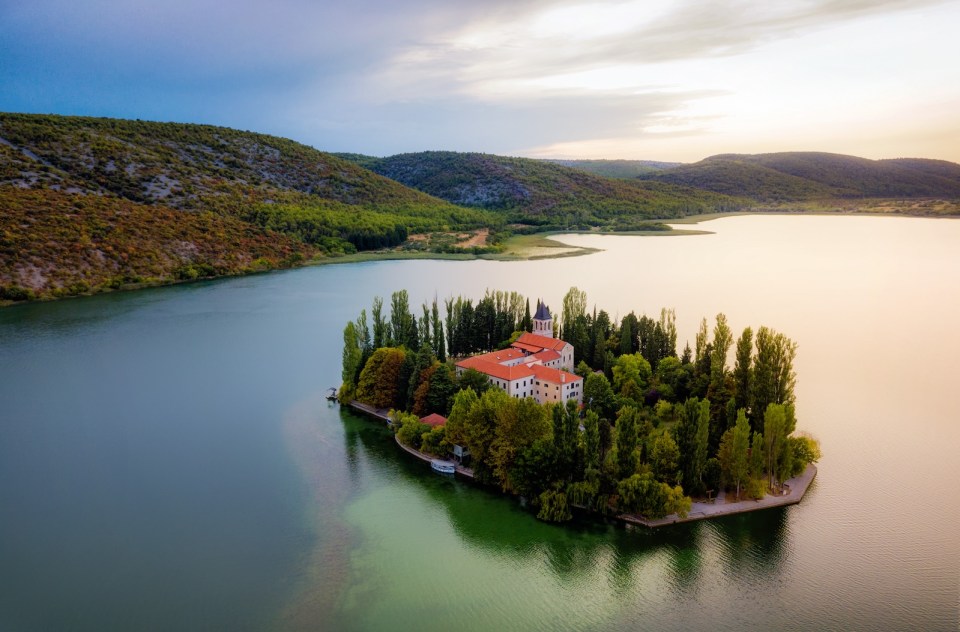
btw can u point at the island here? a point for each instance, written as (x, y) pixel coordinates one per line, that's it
(586, 414)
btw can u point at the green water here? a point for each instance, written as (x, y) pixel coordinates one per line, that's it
(168, 462)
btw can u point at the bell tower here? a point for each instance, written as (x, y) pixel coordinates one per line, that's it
(543, 321)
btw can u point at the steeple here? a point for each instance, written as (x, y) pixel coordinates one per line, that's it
(543, 321)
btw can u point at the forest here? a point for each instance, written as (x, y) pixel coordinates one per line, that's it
(657, 428)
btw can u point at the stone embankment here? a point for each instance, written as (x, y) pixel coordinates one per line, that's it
(795, 490)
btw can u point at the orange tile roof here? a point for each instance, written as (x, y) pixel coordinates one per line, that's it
(546, 356)
(526, 347)
(504, 355)
(434, 420)
(554, 376)
(541, 341)
(496, 370)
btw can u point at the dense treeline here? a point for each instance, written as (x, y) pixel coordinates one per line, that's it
(656, 427)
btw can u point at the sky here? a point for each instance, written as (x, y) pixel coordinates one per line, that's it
(652, 79)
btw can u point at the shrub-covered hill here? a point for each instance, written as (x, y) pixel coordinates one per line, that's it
(623, 169)
(540, 192)
(797, 176)
(54, 243)
(255, 177)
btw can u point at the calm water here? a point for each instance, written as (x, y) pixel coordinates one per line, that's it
(167, 460)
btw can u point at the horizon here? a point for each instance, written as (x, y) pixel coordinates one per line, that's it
(668, 81)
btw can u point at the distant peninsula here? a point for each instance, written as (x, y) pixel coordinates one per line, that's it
(589, 414)
(94, 204)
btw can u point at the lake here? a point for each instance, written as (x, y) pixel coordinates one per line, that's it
(168, 461)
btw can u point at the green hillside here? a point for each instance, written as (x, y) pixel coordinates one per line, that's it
(305, 200)
(797, 176)
(623, 169)
(56, 244)
(539, 192)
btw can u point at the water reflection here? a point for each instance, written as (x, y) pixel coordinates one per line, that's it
(753, 545)
(748, 547)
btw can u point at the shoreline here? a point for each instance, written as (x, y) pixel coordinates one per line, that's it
(532, 247)
(698, 510)
(706, 510)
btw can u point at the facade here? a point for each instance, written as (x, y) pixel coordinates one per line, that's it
(536, 365)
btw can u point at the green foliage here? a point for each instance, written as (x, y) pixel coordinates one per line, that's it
(664, 457)
(541, 194)
(628, 459)
(473, 379)
(435, 442)
(379, 384)
(631, 376)
(55, 244)
(411, 431)
(554, 506)
(809, 175)
(734, 453)
(642, 494)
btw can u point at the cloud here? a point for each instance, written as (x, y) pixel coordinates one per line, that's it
(507, 76)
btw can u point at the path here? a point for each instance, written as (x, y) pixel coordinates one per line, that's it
(704, 510)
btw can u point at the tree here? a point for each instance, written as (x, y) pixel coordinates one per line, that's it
(734, 452)
(381, 331)
(722, 339)
(519, 423)
(352, 356)
(591, 440)
(773, 375)
(642, 494)
(806, 450)
(598, 395)
(673, 380)
(527, 323)
(742, 371)
(574, 305)
(628, 334)
(437, 327)
(459, 418)
(379, 383)
(402, 322)
(627, 458)
(472, 378)
(664, 457)
(631, 376)
(774, 422)
(692, 434)
(441, 390)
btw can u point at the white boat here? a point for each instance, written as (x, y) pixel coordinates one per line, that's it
(443, 467)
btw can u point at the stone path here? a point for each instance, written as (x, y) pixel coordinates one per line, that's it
(704, 510)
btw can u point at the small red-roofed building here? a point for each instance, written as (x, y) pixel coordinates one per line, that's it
(536, 365)
(433, 420)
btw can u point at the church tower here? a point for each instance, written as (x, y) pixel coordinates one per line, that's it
(542, 321)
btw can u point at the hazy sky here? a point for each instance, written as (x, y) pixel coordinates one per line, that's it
(668, 80)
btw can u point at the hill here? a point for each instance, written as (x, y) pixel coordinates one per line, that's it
(538, 192)
(259, 186)
(623, 169)
(54, 243)
(797, 176)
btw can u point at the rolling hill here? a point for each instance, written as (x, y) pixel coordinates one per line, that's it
(797, 176)
(167, 176)
(623, 169)
(538, 192)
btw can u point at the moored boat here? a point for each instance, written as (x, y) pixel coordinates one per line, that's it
(443, 467)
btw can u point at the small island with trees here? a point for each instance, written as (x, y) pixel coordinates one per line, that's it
(632, 429)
